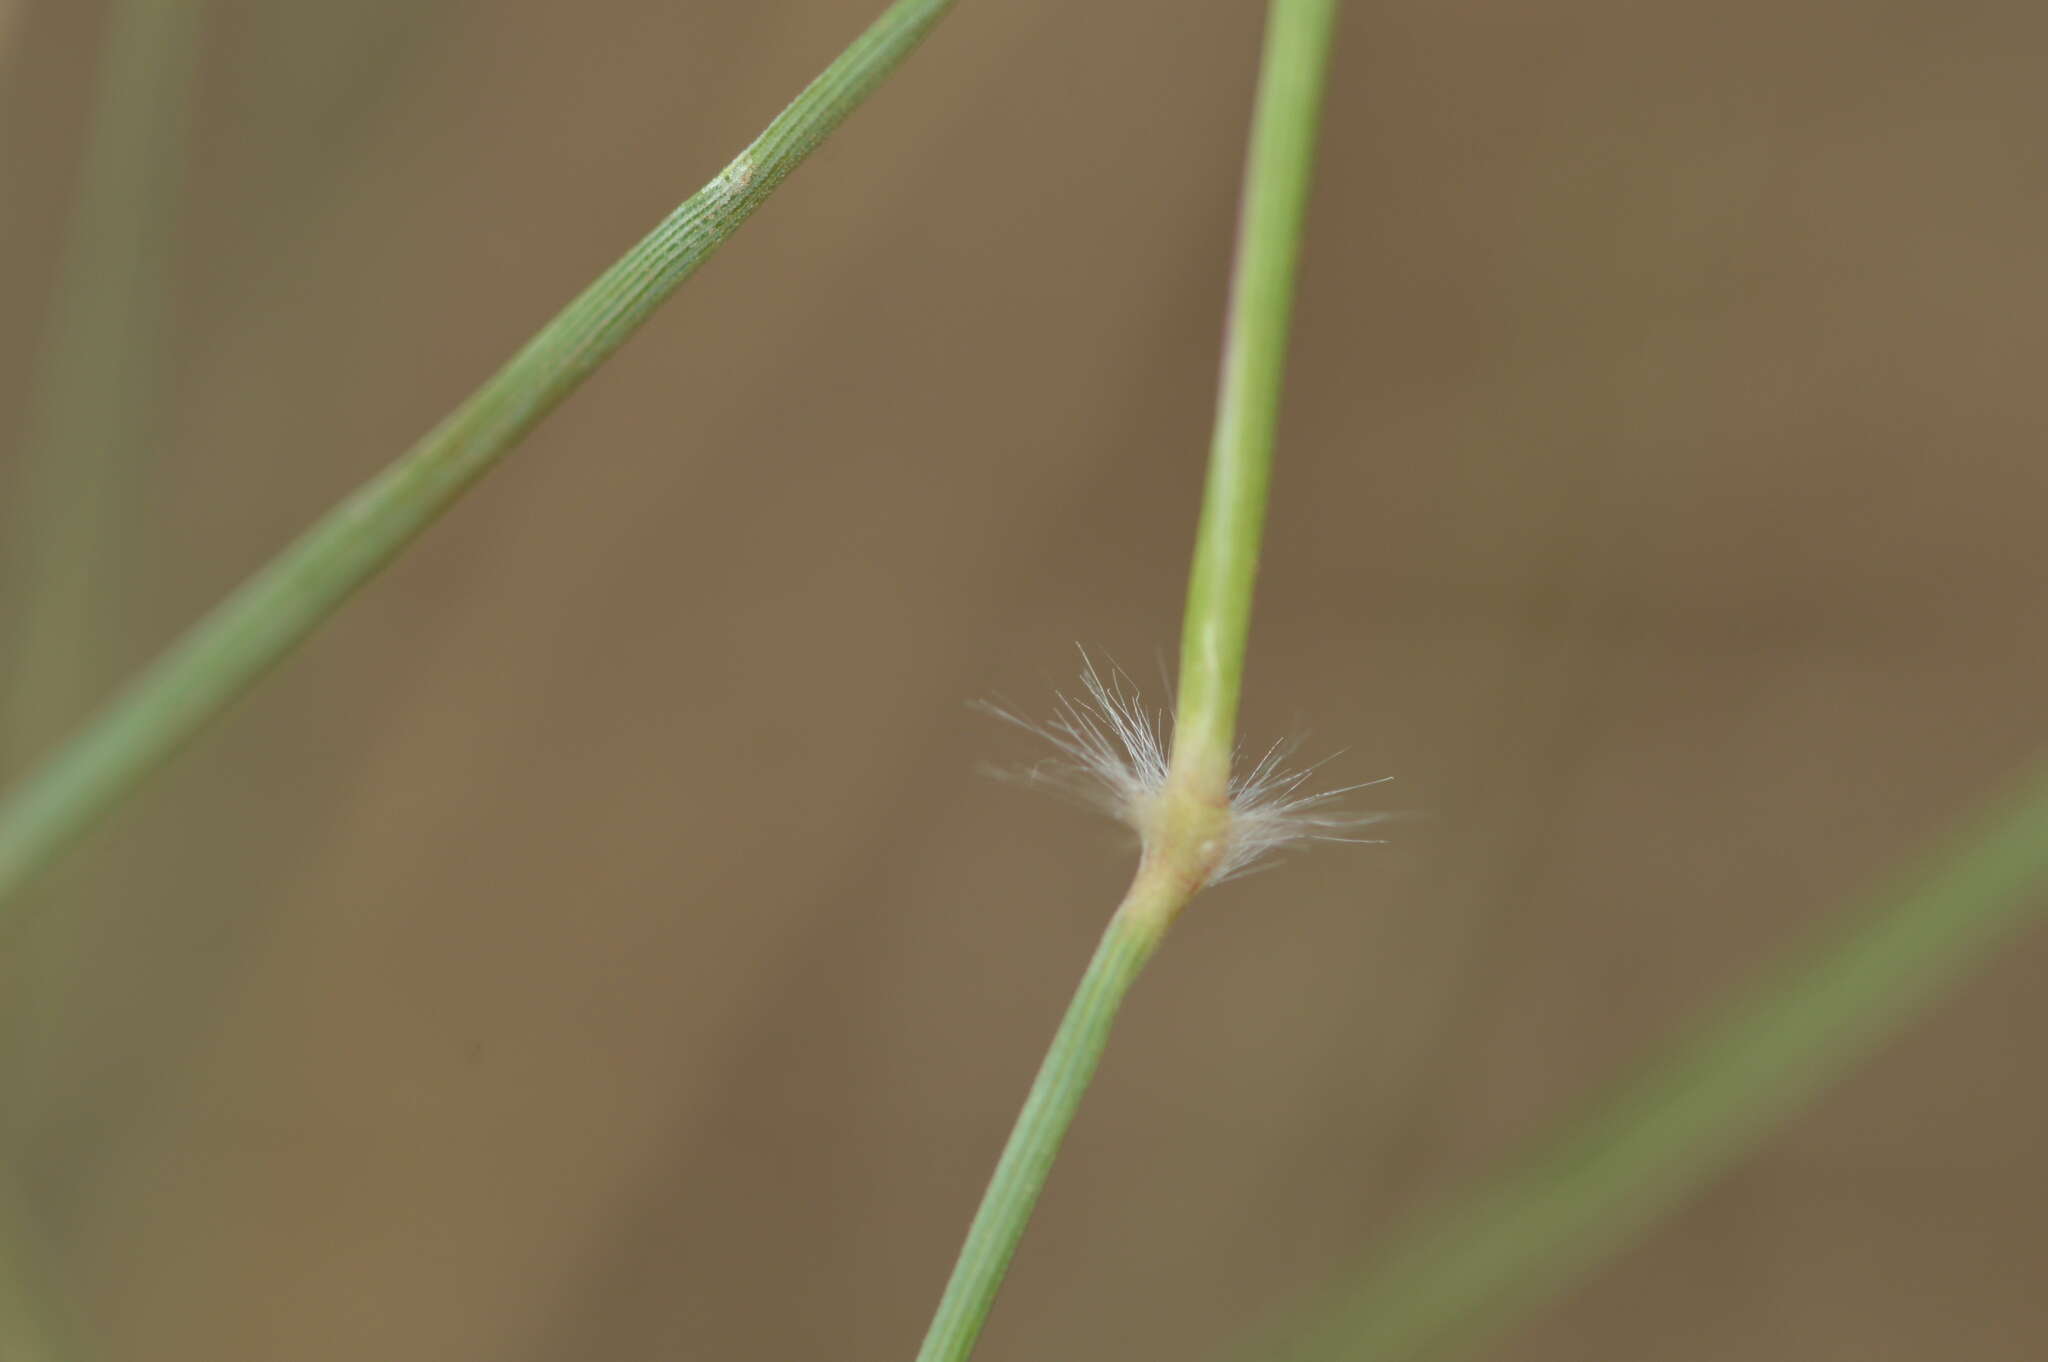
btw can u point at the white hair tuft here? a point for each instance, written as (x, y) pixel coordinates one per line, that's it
(1112, 755)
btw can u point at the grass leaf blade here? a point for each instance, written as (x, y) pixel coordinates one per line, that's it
(231, 648)
(1601, 1181)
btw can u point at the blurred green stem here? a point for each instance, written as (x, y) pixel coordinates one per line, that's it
(1181, 846)
(93, 404)
(231, 648)
(1602, 1181)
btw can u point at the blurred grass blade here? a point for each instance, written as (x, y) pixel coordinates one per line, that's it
(36, 1323)
(231, 648)
(1577, 1199)
(95, 396)
(94, 408)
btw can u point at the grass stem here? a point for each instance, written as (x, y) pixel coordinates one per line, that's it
(1128, 942)
(1187, 837)
(1277, 175)
(228, 650)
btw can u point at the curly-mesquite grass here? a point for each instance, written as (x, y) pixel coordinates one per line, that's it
(1505, 1248)
(1187, 810)
(254, 628)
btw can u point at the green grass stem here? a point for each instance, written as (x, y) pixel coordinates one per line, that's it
(1128, 942)
(1180, 849)
(228, 650)
(1604, 1179)
(1217, 625)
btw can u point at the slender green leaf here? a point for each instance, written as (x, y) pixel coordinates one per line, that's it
(227, 651)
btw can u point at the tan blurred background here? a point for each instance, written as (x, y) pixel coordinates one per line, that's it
(599, 942)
